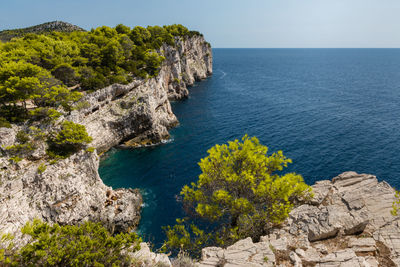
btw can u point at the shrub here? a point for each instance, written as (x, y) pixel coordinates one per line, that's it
(70, 139)
(4, 123)
(21, 149)
(239, 193)
(89, 244)
(6, 246)
(37, 133)
(42, 167)
(90, 149)
(65, 73)
(45, 114)
(24, 147)
(396, 204)
(22, 137)
(183, 260)
(82, 105)
(15, 159)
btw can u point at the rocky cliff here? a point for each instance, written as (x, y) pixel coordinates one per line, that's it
(140, 112)
(71, 190)
(347, 223)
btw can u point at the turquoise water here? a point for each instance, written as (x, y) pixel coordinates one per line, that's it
(330, 110)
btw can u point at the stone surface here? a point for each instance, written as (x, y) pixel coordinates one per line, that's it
(242, 253)
(347, 223)
(71, 190)
(145, 258)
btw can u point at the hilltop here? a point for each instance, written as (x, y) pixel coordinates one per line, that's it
(59, 26)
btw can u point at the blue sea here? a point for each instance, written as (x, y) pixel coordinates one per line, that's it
(330, 110)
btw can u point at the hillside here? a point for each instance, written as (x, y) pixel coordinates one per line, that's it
(156, 64)
(47, 27)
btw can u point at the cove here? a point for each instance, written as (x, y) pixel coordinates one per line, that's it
(330, 110)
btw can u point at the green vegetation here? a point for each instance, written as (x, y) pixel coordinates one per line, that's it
(4, 123)
(240, 193)
(15, 159)
(90, 149)
(26, 143)
(42, 167)
(70, 139)
(396, 204)
(22, 148)
(44, 28)
(44, 71)
(88, 244)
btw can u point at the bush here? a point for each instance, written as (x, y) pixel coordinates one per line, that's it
(89, 244)
(70, 139)
(396, 204)
(22, 137)
(42, 167)
(45, 114)
(240, 193)
(24, 148)
(15, 159)
(4, 123)
(82, 105)
(65, 73)
(90, 149)
(183, 260)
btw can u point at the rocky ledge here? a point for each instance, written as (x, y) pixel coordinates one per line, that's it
(70, 190)
(347, 223)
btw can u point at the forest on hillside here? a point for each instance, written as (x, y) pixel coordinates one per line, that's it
(51, 70)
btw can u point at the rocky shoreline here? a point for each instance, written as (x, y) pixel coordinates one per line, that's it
(70, 191)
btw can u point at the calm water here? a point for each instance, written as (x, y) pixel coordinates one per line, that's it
(330, 110)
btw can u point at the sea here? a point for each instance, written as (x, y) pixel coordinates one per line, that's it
(329, 110)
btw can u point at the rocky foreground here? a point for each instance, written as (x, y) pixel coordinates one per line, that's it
(347, 223)
(70, 191)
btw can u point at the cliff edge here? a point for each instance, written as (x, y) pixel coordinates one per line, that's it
(70, 190)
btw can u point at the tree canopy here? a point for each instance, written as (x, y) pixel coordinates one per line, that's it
(241, 192)
(88, 244)
(70, 139)
(41, 67)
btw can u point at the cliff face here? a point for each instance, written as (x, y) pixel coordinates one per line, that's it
(347, 223)
(71, 190)
(140, 112)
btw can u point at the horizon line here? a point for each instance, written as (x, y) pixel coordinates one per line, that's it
(305, 47)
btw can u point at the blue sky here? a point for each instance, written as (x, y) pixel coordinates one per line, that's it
(230, 23)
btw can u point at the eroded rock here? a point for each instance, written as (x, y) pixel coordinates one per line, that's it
(71, 191)
(348, 223)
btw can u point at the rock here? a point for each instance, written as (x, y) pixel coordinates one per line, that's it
(242, 253)
(146, 258)
(71, 190)
(141, 111)
(347, 223)
(295, 259)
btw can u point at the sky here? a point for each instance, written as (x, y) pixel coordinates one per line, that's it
(231, 23)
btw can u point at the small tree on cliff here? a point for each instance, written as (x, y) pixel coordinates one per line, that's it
(239, 193)
(70, 139)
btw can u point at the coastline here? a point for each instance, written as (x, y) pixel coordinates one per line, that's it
(71, 191)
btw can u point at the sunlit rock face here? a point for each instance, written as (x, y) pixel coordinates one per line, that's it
(347, 223)
(71, 191)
